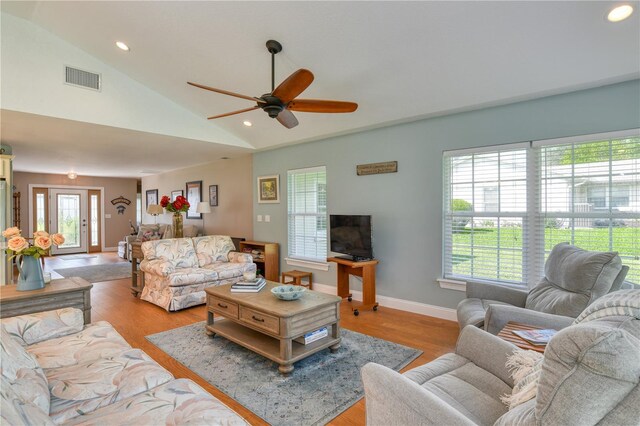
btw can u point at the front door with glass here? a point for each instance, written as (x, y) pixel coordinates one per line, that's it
(68, 213)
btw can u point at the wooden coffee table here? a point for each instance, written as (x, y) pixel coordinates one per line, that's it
(266, 325)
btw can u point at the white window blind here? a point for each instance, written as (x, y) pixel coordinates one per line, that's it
(505, 208)
(485, 215)
(307, 213)
(590, 197)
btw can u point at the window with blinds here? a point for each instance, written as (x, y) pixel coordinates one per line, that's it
(485, 212)
(505, 209)
(307, 213)
(590, 197)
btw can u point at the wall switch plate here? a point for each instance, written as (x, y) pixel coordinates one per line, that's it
(107, 216)
(259, 218)
(267, 218)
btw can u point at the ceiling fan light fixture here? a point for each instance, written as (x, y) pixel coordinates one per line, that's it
(273, 110)
(122, 46)
(620, 13)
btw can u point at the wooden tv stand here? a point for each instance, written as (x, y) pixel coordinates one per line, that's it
(367, 271)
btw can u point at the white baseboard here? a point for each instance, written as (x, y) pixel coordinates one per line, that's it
(403, 305)
(110, 249)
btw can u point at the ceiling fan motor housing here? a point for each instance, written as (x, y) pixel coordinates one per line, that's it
(273, 105)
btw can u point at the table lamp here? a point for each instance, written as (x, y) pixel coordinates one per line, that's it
(203, 207)
(154, 210)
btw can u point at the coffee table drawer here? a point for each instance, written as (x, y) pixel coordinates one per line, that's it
(260, 320)
(223, 307)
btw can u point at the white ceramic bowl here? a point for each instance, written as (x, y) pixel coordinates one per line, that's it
(249, 275)
(288, 292)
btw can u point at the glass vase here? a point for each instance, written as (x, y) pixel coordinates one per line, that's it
(177, 225)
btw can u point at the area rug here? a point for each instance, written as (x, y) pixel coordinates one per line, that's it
(97, 273)
(321, 386)
(76, 257)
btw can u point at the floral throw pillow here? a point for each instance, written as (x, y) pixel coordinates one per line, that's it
(149, 233)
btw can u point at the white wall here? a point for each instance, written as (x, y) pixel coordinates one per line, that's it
(232, 216)
(32, 81)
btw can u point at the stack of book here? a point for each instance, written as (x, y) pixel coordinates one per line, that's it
(313, 336)
(249, 286)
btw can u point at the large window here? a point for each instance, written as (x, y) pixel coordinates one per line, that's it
(505, 208)
(485, 214)
(307, 213)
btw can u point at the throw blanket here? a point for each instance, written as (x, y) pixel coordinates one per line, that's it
(618, 303)
(526, 369)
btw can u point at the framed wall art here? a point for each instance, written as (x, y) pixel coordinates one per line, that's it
(213, 195)
(269, 189)
(194, 196)
(152, 197)
(175, 194)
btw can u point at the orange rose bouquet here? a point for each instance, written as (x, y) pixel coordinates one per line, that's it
(42, 241)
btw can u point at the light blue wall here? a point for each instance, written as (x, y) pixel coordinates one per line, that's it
(406, 206)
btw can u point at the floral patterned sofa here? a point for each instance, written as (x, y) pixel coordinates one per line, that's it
(56, 370)
(176, 271)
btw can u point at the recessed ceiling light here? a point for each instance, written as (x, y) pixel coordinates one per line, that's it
(122, 46)
(620, 13)
(247, 123)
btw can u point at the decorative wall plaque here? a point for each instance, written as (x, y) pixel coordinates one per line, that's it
(377, 168)
(120, 200)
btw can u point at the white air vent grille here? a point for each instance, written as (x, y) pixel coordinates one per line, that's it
(81, 78)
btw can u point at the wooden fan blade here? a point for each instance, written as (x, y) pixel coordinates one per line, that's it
(234, 112)
(293, 85)
(287, 119)
(226, 92)
(317, 105)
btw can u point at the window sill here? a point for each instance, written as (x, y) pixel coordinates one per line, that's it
(452, 284)
(311, 264)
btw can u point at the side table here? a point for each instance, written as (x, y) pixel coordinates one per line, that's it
(71, 292)
(297, 277)
(507, 334)
(136, 255)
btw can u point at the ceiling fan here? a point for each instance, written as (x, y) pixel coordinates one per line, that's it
(282, 99)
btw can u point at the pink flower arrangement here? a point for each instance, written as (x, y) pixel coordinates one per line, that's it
(42, 241)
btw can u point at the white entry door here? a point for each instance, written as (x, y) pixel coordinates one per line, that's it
(68, 213)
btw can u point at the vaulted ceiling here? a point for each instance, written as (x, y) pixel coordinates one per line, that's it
(400, 61)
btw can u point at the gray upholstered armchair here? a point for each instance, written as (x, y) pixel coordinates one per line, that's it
(589, 374)
(573, 279)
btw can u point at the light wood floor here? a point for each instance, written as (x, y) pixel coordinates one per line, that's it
(134, 319)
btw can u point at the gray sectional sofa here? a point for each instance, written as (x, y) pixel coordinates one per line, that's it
(590, 375)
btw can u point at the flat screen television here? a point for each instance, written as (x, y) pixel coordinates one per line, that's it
(351, 235)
